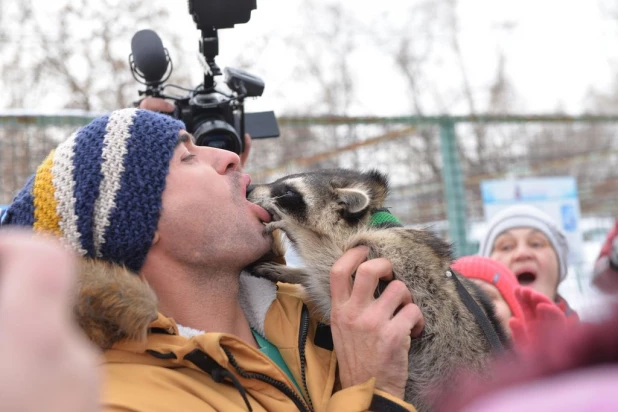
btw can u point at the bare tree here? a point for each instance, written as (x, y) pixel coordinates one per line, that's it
(77, 55)
(70, 56)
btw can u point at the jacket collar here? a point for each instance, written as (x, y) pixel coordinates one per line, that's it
(114, 305)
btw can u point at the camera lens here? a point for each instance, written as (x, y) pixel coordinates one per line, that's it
(219, 134)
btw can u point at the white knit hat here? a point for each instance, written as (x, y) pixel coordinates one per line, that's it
(527, 216)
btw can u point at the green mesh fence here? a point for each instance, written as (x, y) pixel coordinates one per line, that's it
(435, 164)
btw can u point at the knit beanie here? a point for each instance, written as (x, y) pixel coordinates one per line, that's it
(494, 273)
(100, 190)
(518, 216)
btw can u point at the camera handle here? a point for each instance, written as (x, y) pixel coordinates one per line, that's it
(209, 47)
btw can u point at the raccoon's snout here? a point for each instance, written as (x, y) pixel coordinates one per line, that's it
(260, 202)
(250, 189)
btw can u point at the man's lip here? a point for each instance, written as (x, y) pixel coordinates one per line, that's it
(246, 180)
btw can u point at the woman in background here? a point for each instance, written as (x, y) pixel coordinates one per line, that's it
(530, 243)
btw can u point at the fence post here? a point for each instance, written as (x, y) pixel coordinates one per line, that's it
(454, 192)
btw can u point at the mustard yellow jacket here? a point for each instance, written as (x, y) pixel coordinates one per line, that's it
(157, 365)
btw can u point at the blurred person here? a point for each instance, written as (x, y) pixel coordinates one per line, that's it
(497, 281)
(573, 369)
(523, 312)
(152, 211)
(605, 275)
(47, 362)
(530, 243)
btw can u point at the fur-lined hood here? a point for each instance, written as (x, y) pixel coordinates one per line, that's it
(114, 304)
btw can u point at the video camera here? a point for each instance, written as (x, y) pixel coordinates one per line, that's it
(214, 118)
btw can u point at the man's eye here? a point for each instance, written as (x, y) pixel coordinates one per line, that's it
(187, 157)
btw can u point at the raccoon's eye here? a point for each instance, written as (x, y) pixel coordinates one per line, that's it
(290, 193)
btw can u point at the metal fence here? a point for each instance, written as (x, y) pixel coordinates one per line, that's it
(435, 164)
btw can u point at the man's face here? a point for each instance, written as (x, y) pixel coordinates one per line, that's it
(503, 311)
(531, 257)
(206, 220)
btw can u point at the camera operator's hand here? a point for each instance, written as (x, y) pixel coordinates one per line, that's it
(371, 336)
(244, 156)
(47, 364)
(157, 104)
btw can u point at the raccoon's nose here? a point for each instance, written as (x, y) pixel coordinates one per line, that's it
(250, 189)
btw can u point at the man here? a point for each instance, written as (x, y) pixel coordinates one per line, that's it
(132, 189)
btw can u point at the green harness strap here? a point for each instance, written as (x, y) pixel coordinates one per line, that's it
(383, 218)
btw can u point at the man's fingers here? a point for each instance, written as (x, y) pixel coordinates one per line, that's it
(411, 319)
(395, 295)
(341, 273)
(368, 274)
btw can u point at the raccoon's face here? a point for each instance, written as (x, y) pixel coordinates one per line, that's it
(329, 202)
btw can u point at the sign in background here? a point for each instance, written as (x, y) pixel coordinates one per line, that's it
(556, 196)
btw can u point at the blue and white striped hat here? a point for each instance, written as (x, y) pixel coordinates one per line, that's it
(100, 190)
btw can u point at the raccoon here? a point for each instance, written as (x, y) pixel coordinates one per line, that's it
(326, 212)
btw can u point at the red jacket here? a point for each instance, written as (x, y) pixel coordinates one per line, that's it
(604, 276)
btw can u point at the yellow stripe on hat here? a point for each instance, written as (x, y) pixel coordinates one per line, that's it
(45, 216)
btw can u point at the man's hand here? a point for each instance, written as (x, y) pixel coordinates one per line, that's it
(47, 364)
(371, 336)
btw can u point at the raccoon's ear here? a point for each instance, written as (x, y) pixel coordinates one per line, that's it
(355, 200)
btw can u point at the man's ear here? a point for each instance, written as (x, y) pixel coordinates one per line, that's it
(155, 238)
(354, 200)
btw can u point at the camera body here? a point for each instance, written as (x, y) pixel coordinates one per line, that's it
(214, 117)
(219, 120)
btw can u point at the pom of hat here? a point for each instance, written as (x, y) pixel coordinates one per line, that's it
(494, 273)
(100, 190)
(527, 216)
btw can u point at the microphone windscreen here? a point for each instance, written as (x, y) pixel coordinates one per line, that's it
(149, 55)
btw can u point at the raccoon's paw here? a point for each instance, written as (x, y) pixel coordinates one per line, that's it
(267, 270)
(277, 273)
(269, 228)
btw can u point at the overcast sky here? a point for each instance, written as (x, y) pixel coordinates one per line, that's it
(556, 51)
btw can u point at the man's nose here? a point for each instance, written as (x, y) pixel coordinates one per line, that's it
(226, 161)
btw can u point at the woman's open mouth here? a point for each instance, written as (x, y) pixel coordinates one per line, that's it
(526, 278)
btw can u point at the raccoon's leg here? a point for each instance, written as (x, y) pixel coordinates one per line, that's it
(272, 226)
(278, 273)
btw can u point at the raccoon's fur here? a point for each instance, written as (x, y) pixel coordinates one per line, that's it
(325, 213)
